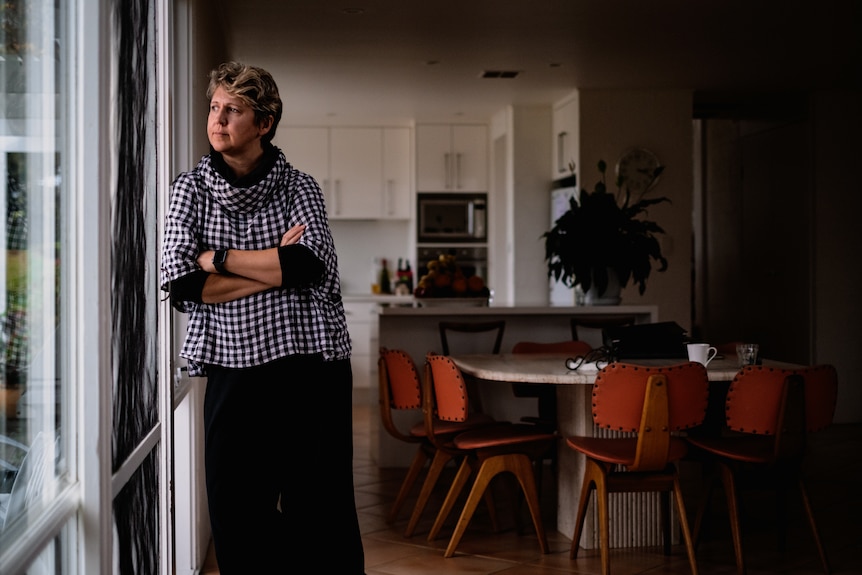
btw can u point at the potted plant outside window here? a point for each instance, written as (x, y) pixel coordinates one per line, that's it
(604, 236)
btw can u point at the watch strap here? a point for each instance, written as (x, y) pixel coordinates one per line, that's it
(219, 258)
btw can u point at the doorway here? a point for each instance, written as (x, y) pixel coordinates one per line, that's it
(752, 278)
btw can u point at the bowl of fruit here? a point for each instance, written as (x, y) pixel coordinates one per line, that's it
(446, 284)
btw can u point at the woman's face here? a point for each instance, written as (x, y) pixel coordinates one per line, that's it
(231, 127)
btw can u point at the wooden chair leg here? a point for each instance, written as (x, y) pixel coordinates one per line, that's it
(437, 464)
(604, 520)
(523, 472)
(814, 531)
(733, 513)
(457, 486)
(521, 467)
(487, 471)
(586, 490)
(412, 474)
(683, 524)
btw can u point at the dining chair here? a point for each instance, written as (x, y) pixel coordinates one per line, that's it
(473, 337)
(769, 413)
(400, 390)
(487, 452)
(639, 413)
(494, 328)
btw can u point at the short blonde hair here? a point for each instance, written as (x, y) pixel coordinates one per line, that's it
(254, 86)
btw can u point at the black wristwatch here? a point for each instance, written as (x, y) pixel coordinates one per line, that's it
(219, 258)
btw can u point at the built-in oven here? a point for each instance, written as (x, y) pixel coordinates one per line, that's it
(473, 260)
(451, 218)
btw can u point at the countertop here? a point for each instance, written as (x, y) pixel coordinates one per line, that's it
(650, 312)
(387, 299)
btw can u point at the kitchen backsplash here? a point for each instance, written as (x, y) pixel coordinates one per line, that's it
(360, 243)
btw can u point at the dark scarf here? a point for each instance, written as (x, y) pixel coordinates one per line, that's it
(270, 155)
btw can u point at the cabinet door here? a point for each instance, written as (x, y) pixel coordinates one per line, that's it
(356, 169)
(362, 326)
(433, 157)
(469, 158)
(306, 149)
(396, 174)
(566, 137)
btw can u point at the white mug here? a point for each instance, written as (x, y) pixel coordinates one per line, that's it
(701, 353)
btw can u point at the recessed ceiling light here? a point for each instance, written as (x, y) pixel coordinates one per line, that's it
(499, 74)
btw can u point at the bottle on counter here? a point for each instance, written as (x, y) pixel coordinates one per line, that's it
(385, 279)
(408, 276)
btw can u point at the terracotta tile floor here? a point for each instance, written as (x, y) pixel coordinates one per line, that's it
(834, 481)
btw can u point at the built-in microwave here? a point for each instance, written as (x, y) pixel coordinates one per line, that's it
(451, 217)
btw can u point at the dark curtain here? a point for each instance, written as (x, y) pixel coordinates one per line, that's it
(136, 507)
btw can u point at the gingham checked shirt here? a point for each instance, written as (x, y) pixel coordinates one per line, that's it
(208, 213)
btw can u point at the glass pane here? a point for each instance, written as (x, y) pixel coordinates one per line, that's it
(33, 200)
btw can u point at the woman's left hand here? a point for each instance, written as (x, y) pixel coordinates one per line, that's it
(292, 235)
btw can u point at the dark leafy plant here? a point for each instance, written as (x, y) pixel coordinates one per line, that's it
(602, 231)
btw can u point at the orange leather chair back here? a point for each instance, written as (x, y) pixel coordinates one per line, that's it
(754, 399)
(450, 390)
(405, 391)
(754, 407)
(618, 395)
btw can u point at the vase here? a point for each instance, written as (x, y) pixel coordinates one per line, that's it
(611, 296)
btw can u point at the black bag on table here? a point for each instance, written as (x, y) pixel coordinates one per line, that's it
(660, 340)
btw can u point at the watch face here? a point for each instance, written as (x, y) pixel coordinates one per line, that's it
(636, 169)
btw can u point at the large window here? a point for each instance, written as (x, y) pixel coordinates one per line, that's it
(35, 392)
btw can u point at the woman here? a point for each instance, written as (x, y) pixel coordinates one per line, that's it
(248, 254)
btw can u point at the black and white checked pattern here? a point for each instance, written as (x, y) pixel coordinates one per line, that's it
(208, 213)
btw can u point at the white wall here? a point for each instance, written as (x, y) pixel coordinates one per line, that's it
(358, 243)
(661, 121)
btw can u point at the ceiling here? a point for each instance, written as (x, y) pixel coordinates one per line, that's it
(394, 60)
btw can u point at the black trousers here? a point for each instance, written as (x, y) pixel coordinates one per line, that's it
(281, 435)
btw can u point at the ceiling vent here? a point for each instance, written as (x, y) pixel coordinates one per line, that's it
(500, 74)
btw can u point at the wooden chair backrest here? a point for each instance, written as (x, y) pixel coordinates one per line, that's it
(784, 403)
(402, 379)
(450, 397)
(619, 391)
(399, 388)
(654, 402)
(498, 326)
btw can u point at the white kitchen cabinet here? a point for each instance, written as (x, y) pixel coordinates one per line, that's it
(397, 174)
(306, 149)
(566, 136)
(451, 158)
(362, 326)
(356, 172)
(365, 172)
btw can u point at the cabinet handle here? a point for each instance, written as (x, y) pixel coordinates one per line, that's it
(337, 198)
(327, 195)
(390, 197)
(561, 152)
(458, 171)
(447, 162)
